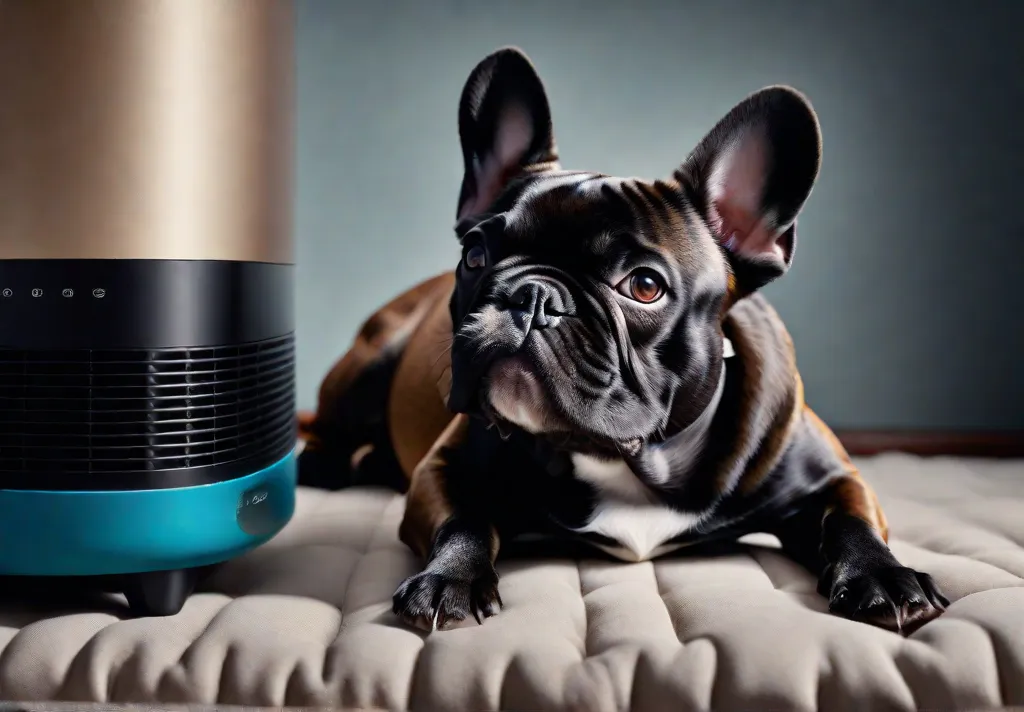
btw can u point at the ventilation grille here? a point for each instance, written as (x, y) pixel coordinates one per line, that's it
(145, 410)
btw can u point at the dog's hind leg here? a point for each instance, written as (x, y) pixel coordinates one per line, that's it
(346, 441)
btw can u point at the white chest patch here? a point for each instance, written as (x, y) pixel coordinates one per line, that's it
(629, 512)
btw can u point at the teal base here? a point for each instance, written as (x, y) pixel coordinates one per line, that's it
(86, 533)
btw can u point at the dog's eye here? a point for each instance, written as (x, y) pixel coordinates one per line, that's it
(644, 285)
(476, 257)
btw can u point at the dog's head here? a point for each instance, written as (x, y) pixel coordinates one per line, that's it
(589, 308)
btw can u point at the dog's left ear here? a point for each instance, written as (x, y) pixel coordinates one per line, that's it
(751, 175)
(504, 127)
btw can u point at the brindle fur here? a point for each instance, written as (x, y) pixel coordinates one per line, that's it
(770, 464)
(776, 452)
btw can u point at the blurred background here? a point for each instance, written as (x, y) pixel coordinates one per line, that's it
(905, 296)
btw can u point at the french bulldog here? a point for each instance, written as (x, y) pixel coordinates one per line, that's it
(601, 365)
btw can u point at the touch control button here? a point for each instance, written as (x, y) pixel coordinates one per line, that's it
(99, 293)
(37, 292)
(8, 292)
(68, 293)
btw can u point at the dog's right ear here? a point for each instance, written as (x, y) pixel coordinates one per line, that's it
(504, 126)
(751, 175)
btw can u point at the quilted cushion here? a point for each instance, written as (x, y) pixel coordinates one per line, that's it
(305, 621)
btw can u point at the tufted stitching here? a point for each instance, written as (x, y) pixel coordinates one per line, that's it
(1001, 672)
(896, 650)
(352, 574)
(330, 648)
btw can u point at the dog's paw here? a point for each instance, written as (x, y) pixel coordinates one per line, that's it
(895, 598)
(433, 601)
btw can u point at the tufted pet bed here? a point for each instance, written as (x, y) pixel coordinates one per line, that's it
(306, 621)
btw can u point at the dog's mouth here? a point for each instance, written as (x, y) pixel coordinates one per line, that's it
(515, 393)
(514, 396)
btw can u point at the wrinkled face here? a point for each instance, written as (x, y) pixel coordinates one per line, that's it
(587, 308)
(586, 305)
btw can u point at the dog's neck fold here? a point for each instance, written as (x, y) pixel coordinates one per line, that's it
(662, 463)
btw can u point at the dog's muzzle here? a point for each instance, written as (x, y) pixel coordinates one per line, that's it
(527, 303)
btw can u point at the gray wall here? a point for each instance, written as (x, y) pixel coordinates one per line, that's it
(904, 297)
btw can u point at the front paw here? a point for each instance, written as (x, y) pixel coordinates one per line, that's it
(892, 597)
(432, 600)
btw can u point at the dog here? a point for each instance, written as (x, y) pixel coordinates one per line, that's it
(601, 365)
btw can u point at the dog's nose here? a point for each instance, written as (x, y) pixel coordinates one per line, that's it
(537, 305)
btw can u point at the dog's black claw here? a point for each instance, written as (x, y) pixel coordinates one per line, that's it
(485, 598)
(432, 600)
(895, 598)
(932, 592)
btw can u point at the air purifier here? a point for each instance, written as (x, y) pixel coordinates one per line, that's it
(146, 288)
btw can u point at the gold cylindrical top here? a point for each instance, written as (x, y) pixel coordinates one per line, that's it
(146, 129)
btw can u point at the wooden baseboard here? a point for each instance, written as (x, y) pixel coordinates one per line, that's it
(995, 444)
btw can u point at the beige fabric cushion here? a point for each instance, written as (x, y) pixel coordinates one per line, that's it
(306, 621)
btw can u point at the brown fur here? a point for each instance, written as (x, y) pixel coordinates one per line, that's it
(418, 422)
(770, 383)
(427, 506)
(416, 408)
(850, 493)
(377, 333)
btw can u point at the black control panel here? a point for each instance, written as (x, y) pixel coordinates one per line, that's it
(66, 293)
(113, 304)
